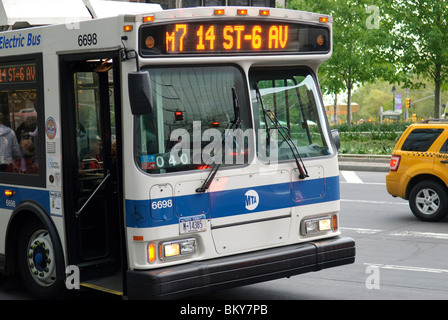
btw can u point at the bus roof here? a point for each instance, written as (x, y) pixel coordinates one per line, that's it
(16, 14)
(103, 9)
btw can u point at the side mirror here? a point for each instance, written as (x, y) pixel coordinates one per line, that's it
(140, 92)
(336, 138)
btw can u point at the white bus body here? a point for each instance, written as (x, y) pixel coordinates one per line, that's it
(141, 217)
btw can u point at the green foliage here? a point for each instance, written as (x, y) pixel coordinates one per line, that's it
(418, 40)
(403, 42)
(355, 59)
(370, 138)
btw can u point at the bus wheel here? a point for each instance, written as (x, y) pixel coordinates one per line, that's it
(37, 263)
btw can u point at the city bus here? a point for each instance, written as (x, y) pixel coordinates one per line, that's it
(159, 154)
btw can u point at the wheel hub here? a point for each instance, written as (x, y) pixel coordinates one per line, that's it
(40, 258)
(427, 201)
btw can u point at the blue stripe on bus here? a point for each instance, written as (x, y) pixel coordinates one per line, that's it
(218, 204)
(21, 194)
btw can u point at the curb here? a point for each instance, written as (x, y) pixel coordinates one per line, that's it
(372, 163)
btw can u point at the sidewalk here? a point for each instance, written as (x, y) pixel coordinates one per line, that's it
(354, 162)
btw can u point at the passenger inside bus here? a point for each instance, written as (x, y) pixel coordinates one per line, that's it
(93, 160)
(29, 152)
(9, 147)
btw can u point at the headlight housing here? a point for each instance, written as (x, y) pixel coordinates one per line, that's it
(177, 248)
(318, 225)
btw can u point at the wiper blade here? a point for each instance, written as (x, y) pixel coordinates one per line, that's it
(303, 173)
(236, 123)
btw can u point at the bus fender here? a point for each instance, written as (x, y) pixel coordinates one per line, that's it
(22, 212)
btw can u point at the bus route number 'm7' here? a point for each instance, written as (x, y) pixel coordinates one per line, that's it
(226, 37)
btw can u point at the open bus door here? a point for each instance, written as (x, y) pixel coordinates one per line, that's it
(91, 139)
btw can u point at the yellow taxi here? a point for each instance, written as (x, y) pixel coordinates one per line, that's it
(419, 169)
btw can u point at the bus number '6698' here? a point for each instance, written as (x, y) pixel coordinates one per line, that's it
(162, 204)
(10, 203)
(89, 39)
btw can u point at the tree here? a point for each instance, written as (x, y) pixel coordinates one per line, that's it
(418, 37)
(355, 58)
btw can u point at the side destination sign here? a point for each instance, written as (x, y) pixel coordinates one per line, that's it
(19, 41)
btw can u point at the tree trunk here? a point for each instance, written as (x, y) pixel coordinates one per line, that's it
(335, 106)
(437, 95)
(349, 102)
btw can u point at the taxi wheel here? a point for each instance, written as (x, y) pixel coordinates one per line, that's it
(429, 201)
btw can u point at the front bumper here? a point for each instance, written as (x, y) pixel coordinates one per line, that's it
(237, 270)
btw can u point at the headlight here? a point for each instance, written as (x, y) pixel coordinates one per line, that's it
(320, 224)
(176, 248)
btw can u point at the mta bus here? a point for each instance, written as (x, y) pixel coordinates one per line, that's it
(158, 154)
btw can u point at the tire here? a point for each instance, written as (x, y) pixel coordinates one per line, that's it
(429, 201)
(37, 262)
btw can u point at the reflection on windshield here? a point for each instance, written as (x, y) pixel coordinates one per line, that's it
(290, 96)
(193, 107)
(268, 114)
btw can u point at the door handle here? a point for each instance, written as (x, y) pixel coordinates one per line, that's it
(443, 161)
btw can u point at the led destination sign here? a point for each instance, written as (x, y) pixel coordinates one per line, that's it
(17, 73)
(233, 37)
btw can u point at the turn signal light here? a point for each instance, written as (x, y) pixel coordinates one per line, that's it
(151, 253)
(335, 222)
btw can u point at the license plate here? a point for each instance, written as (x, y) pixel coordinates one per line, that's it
(192, 224)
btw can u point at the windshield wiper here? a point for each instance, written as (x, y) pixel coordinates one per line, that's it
(303, 173)
(236, 123)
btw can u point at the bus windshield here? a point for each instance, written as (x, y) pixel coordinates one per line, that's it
(190, 124)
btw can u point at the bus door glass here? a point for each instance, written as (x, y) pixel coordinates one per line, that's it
(90, 158)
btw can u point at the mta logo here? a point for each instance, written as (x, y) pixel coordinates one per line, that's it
(251, 200)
